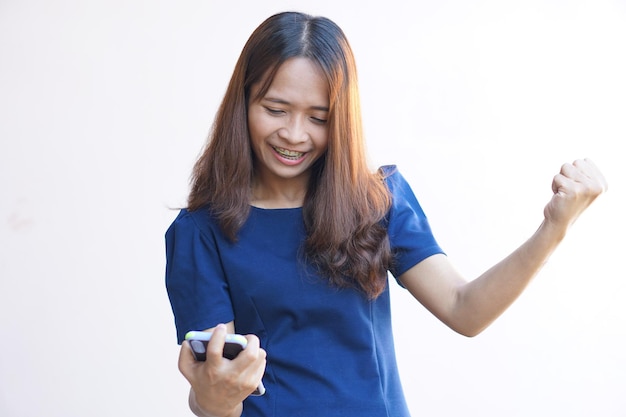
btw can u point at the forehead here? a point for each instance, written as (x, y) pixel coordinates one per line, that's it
(297, 78)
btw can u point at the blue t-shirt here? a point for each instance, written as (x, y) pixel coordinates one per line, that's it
(330, 351)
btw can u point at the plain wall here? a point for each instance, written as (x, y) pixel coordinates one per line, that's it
(104, 106)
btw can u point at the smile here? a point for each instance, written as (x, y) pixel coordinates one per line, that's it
(286, 153)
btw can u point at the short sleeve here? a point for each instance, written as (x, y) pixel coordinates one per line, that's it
(195, 282)
(409, 232)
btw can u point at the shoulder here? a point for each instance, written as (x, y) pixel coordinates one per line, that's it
(405, 207)
(192, 222)
(408, 228)
(387, 171)
(398, 186)
(393, 177)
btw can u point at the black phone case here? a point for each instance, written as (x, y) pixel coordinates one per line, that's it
(198, 347)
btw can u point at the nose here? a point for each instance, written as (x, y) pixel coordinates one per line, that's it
(294, 131)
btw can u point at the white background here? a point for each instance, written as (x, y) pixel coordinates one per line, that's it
(104, 106)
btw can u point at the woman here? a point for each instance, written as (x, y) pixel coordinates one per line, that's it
(288, 237)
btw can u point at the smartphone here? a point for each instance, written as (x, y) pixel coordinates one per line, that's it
(234, 344)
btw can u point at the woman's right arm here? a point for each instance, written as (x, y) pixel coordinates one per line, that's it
(219, 385)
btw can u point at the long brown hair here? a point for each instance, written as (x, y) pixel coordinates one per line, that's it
(345, 204)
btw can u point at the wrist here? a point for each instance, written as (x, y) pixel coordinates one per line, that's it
(552, 232)
(200, 411)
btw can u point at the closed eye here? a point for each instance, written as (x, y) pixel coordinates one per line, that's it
(319, 121)
(275, 112)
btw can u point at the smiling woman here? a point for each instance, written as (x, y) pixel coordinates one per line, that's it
(295, 89)
(289, 236)
(288, 133)
(104, 106)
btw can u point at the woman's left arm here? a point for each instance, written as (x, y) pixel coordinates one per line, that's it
(469, 307)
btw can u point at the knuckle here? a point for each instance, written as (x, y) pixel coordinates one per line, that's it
(249, 353)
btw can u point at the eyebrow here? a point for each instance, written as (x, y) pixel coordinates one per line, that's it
(285, 102)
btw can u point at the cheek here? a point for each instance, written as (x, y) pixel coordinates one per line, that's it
(254, 129)
(322, 140)
(259, 125)
(252, 121)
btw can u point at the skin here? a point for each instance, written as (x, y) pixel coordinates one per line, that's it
(288, 133)
(288, 117)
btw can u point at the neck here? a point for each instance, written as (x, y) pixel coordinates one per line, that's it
(284, 193)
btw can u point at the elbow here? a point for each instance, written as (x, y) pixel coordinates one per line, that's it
(469, 333)
(469, 323)
(468, 330)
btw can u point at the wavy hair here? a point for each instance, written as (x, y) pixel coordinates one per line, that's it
(346, 203)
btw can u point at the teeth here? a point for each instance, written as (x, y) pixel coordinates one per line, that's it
(289, 154)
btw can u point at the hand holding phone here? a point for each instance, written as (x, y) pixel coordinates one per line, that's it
(233, 345)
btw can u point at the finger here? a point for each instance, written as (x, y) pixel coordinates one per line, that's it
(559, 183)
(253, 348)
(253, 341)
(185, 358)
(591, 170)
(258, 355)
(215, 347)
(574, 171)
(259, 371)
(585, 164)
(585, 176)
(257, 358)
(572, 177)
(185, 354)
